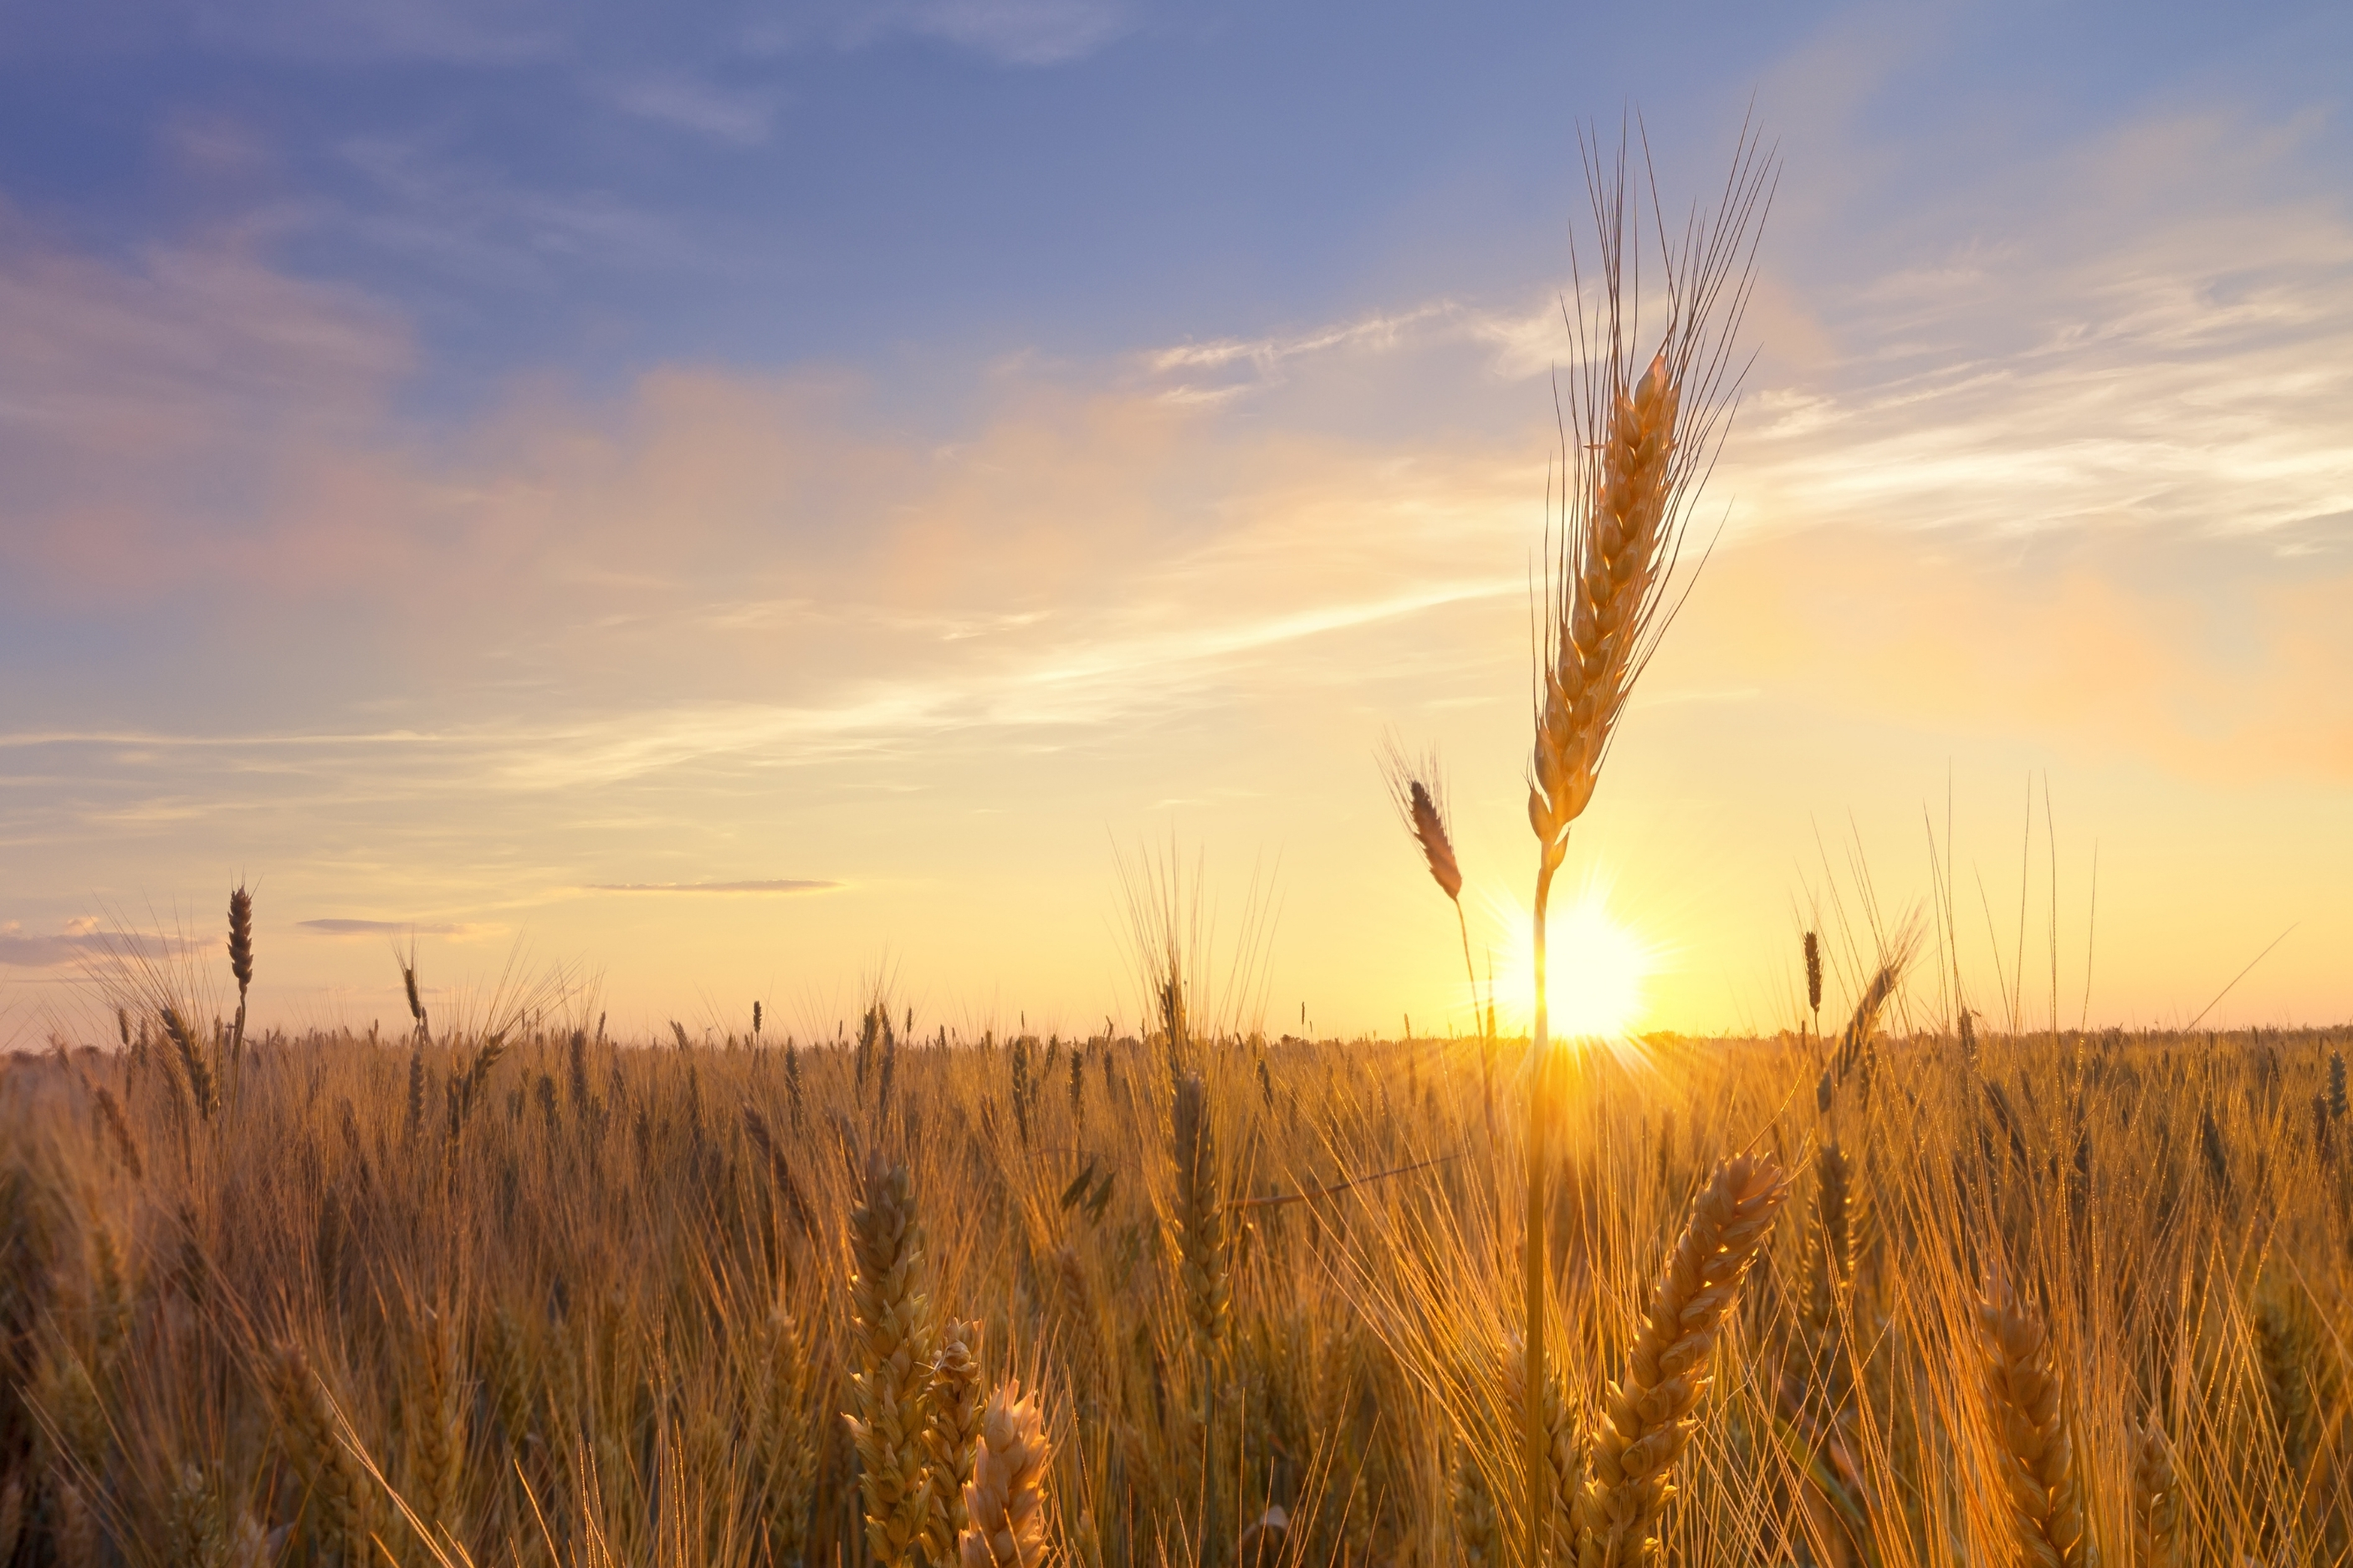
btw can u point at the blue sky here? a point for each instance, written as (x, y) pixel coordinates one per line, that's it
(912, 187)
(455, 458)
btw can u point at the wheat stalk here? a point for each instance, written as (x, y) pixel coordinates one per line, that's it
(1648, 1418)
(890, 1329)
(1635, 448)
(2031, 1449)
(1005, 1502)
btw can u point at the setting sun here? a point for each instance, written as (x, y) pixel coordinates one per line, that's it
(1599, 970)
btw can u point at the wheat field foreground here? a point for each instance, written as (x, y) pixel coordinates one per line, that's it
(546, 1299)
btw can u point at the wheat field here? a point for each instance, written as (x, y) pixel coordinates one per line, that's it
(504, 1290)
(539, 1297)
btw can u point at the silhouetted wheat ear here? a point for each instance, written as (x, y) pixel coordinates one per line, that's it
(408, 985)
(1006, 1499)
(240, 964)
(1813, 974)
(891, 1330)
(2032, 1449)
(240, 938)
(1648, 1417)
(1429, 829)
(1418, 793)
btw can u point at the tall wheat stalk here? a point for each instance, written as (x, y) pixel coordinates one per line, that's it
(1635, 448)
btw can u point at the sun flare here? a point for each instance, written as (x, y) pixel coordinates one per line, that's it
(1599, 971)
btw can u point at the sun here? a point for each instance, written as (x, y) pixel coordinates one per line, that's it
(1599, 969)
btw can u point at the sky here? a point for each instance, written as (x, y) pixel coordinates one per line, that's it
(725, 502)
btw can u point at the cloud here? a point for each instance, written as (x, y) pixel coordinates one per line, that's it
(431, 206)
(739, 119)
(779, 885)
(82, 942)
(383, 927)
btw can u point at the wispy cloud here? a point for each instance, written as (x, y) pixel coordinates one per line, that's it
(333, 927)
(739, 118)
(82, 942)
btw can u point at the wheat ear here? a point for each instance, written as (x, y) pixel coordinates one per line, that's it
(1648, 1419)
(890, 1329)
(957, 1407)
(203, 1086)
(240, 964)
(1565, 1462)
(1421, 797)
(1812, 949)
(1200, 1222)
(313, 1442)
(782, 1435)
(196, 1522)
(1005, 1502)
(437, 1437)
(2157, 1499)
(1477, 1523)
(2032, 1452)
